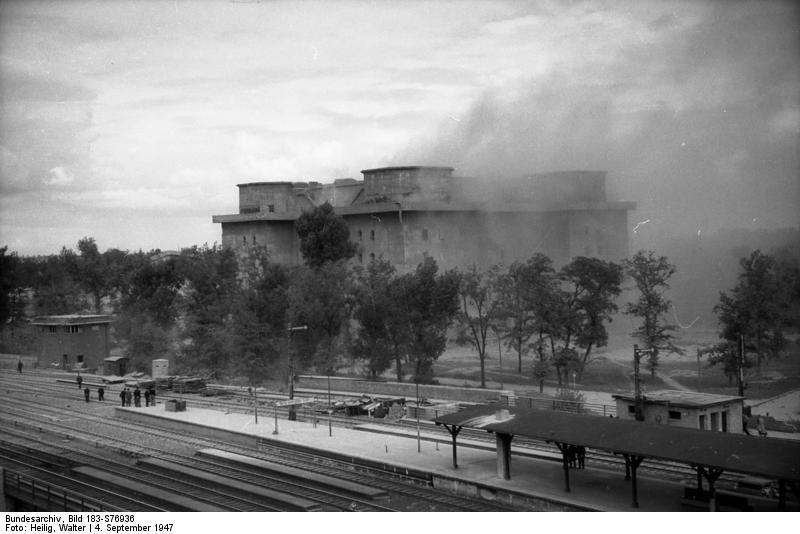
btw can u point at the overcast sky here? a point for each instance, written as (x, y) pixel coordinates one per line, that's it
(132, 122)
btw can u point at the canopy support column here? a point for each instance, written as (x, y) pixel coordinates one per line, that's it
(454, 430)
(504, 455)
(711, 475)
(564, 448)
(632, 462)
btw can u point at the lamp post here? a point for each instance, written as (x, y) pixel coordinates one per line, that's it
(330, 427)
(419, 443)
(289, 330)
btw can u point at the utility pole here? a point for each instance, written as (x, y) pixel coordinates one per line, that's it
(740, 370)
(639, 401)
(289, 330)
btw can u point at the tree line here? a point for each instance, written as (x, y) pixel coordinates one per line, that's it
(216, 312)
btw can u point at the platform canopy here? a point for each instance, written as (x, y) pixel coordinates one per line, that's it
(774, 458)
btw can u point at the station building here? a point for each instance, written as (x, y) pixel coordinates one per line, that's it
(72, 341)
(689, 409)
(402, 214)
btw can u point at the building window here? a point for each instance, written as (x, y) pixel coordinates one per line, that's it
(372, 235)
(371, 256)
(53, 329)
(95, 328)
(674, 414)
(360, 257)
(271, 208)
(631, 409)
(424, 234)
(360, 235)
(72, 329)
(244, 239)
(254, 240)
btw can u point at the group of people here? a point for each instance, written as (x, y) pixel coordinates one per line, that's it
(127, 396)
(101, 392)
(576, 456)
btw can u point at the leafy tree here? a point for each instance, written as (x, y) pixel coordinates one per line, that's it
(478, 311)
(210, 296)
(514, 316)
(148, 308)
(593, 284)
(55, 290)
(430, 303)
(12, 285)
(755, 310)
(726, 355)
(321, 299)
(373, 310)
(261, 319)
(651, 275)
(324, 237)
(91, 272)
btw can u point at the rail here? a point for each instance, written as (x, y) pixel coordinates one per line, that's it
(549, 403)
(55, 498)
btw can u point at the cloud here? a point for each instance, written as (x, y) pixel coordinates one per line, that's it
(59, 176)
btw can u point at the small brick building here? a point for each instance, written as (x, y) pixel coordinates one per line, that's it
(689, 409)
(72, 341)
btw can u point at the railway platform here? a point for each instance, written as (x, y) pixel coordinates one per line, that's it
(537, 479)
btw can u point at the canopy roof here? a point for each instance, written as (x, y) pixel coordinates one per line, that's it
(774, 458)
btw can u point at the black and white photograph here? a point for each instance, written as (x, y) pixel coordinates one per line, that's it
(398, 256)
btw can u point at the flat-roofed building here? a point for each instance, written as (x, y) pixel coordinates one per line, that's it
(72, 341)
(401, 214)
(689, 409)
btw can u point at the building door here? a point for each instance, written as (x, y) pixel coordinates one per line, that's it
(714, 421)
(702, 424)
(724, 421)
(65, 361)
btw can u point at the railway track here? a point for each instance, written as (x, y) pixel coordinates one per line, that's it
(65, 421)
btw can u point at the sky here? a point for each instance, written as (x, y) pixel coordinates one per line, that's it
(133, 121)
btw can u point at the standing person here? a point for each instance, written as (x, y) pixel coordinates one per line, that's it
(146, 398)
(128, 396)
(19, 366)
(122, 396)
(571, 455)
(79, 380)
(760, 427)
(581, 457)
(152, 395)
(137, 397)
(101, 394)
(745, 420)
(86, 393)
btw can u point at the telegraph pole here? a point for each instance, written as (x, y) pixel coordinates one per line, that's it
(289, 330)
(740, 373)
(637, 356)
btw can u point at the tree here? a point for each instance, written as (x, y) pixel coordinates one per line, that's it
(478, 310)
(210, 295)
(755, 311)
(515, 316)
(651, 274)
(727, 355)
(430, 303)
(321, 299)
(593, 284)
(92, 273)
(373, 310)
(324, 237)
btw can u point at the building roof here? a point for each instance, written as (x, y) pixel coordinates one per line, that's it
(687, 399)
(114, 359)
(76, 319)
(767, 457)
(409, 168)
(385, 207)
